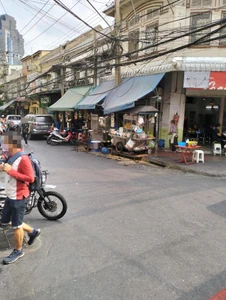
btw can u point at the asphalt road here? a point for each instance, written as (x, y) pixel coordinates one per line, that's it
(131, 232)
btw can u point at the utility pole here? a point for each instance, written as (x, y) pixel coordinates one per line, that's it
(5, 73)
(117, 42)
(95, 58)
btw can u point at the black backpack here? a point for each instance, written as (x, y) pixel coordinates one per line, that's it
(36, 185)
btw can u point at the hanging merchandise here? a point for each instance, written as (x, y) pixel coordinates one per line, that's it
(140, 120)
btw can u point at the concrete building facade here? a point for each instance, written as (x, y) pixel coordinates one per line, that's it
(11, 41)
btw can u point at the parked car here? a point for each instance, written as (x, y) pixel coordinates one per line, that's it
(39, 125)
(13, 121)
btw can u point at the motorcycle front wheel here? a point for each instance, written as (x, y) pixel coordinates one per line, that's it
(52, 142)
(53, 206)
(48, 140)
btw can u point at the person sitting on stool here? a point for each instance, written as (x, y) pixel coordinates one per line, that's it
(173, 133)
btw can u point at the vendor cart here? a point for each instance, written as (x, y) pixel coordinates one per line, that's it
(131, 144)
(132, 137)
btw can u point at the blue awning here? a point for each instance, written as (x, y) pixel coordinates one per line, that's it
(129, 91)
(96, 95)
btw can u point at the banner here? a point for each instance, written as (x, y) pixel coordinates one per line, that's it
(217, 81)
(198, 80)
(205, 80)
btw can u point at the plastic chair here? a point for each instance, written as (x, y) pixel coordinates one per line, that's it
(198, 155)
(217, 148)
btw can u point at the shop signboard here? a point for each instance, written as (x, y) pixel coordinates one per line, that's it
(217, 81)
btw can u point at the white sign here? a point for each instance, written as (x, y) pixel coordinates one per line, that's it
(198, 80)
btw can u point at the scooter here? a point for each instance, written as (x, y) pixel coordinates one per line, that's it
(55, 138)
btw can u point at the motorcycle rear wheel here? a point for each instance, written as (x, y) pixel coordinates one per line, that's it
(73, 141)
(48, 207)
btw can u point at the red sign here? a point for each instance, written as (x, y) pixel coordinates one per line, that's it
(217, 81)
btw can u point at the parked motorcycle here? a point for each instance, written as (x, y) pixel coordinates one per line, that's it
(50, 204)
(55, 138)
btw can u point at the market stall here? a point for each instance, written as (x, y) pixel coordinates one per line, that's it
(137, 133)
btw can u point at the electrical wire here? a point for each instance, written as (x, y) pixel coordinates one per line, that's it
(3, 6)
(188, 45)
(50, 26)
(98, 13)
(34, 17)
(39, 19)
(49, 16)
(197, 42)
(80, 19)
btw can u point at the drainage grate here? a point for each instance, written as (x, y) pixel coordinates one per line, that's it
(6, 239)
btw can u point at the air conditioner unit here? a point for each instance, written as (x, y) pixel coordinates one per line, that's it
(82, 74)
(43, 89)
(29, 68)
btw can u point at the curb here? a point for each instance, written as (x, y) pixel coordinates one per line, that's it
(162, 164)
(179, 168)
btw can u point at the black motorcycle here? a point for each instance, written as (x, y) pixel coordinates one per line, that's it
(50, 204)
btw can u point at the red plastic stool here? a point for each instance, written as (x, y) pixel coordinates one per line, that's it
(220, 296)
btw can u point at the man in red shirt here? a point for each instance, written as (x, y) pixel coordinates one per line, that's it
(18, 177)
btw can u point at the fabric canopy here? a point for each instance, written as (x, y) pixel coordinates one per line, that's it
(142, 110)
(129, 91)
(3, 107)
(70, 99)
(96, 95)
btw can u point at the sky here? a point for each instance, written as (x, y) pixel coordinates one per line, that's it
(67, 28)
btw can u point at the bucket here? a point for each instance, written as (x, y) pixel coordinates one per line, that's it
(95, 146)
(162, 143)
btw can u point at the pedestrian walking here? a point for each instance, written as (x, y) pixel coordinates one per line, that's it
(25, 132)
(18, 177)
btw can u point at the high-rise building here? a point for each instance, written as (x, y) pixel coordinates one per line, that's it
(11, 41)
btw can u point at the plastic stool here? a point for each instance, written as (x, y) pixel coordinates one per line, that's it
(198, 155)
(217, 148)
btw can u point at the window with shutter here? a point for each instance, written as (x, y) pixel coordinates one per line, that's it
(222, 41)
(206, 2)
(153, 12)
(196, 3)
(197, 22)
(201, 3)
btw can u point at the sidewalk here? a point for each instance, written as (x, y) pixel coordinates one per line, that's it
(214, 166)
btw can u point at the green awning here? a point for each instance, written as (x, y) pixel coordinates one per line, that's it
(70, 99)
(7, 104)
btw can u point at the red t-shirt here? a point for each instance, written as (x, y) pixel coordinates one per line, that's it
(22, 171)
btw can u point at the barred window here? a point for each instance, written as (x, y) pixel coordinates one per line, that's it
(197, 22)
(151, 38)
